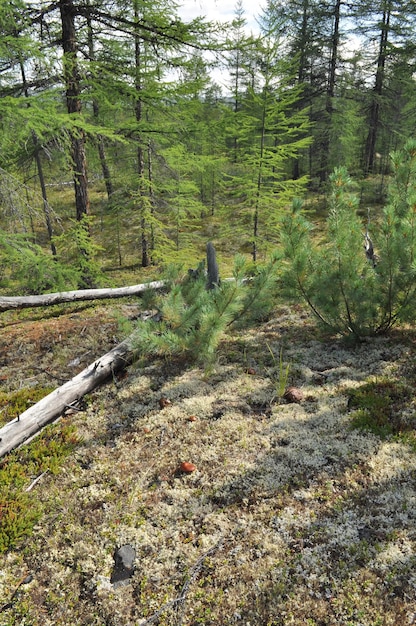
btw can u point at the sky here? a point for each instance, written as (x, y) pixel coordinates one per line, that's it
(219, 10)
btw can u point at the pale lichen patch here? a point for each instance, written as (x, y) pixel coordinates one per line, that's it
(291, 514)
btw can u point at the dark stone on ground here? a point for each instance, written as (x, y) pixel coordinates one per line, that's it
(124, 558)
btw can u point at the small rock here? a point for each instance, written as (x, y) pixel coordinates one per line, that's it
(293, 394)
(124, 558)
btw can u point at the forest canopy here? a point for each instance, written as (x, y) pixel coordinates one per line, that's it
(117, 143)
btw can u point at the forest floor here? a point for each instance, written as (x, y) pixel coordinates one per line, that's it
(297, 513)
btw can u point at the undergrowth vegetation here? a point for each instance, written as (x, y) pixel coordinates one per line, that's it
(379, 406)
(355, 284)
(192, 319)
(298, 471)
(20, 508)
(12, 403)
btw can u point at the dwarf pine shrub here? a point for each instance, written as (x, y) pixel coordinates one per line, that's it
(194, 319)
(347, 292)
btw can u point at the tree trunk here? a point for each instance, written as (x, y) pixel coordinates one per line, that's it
(259, 176)
(302, 68)
(73, 100)
(54, 404)
(23, 302)
(46, 209)
(330, 94)
(101, 149)
(104, 165)
(145, 262)
(41, 177)
(370, 148)
(151, 199)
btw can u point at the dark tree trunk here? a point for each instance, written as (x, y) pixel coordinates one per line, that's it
(330, 93)
(302, 69)
(41, 177)
(105, 169)
(101, 149)
(73, 100)
(46, 210)
(373, 127)
(145, 262)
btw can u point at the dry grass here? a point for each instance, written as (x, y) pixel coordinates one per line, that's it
(292, 516)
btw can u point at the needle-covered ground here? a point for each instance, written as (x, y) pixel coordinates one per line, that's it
(297, 513)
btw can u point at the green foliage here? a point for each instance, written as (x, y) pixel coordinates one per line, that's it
(283, 369)
(261, 289)
(347, 292)
(18, 514)
(20, 509)
(35, 270)
(269, 131)
(194, 319)
(80, 252)
(13, 403)
(377, 406)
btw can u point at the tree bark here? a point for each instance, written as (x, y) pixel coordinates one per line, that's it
(54, 404)
(73, 100)
(23, 302)
(374, 122)
(37, 148)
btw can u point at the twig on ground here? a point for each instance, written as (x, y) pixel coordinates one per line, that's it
(162, 434)
(35, 482)
(40, 369)
(25, 581)
(181, 599)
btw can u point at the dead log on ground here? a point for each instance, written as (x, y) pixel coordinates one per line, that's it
(54, 404)
(47, 299)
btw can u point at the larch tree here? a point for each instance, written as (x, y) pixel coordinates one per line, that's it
(387, 26)
(18, 51)
(72, 78)
(272, 133)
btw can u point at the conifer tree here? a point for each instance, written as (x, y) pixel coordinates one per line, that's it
(351, 289)
(193, 319)
(272, 132)
(392, 24)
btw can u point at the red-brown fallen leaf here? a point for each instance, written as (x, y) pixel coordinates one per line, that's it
(164, 402)
(187, 467)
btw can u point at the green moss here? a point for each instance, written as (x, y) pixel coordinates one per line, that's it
(20, 509)
(379, 406)
(13, 403)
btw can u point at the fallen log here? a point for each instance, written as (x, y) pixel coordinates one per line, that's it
(52, 406)
(47, 299)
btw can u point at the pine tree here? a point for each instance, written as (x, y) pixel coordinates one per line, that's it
(193, 318)
(350, 289)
